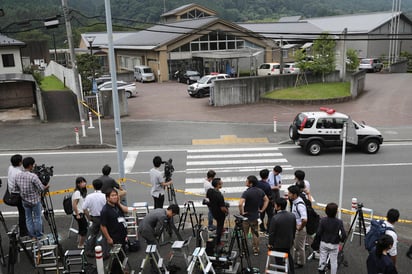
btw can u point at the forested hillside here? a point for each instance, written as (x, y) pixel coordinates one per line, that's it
(23, 19)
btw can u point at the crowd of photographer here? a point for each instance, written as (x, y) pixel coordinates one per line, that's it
(103, 212)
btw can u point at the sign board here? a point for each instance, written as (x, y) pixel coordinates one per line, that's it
(94, 86)
(351, 136)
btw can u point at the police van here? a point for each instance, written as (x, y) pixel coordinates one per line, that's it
(316, 130)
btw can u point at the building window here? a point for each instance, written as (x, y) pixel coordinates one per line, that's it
(8, 60)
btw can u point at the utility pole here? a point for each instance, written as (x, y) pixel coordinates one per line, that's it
(73, 63)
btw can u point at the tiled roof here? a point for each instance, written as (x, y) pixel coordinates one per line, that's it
(7, 41)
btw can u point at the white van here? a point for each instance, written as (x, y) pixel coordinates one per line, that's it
(143, 74)
(269, 69)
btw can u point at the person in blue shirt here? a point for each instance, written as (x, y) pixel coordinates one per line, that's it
(379, 260)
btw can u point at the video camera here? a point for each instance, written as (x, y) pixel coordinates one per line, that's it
(43, 172)
(239, 219)
(169, 169)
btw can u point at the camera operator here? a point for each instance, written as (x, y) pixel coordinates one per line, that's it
(158, 184)
(31, 189)
(217, 207)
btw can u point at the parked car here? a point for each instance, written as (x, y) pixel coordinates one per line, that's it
(316, 130)
(371, 64)
(129, 88)
(290, 68)
(202, 87)
(269, 69)
(143, 74)
(188, 76)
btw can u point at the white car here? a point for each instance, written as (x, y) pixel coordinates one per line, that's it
(202, 87)
(290, 68)
(269, 69)
(316, 130)
(129, 88)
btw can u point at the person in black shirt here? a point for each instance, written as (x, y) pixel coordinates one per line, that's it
(282, 231)
(113, 223)
(264, 185)
(330, 233)
(379, 260)
(217, 207)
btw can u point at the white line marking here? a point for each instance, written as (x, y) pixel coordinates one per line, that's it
(130, 161)
(232, 169)
(232, 149)
(235, 162)
(243, 155)
(233, 179)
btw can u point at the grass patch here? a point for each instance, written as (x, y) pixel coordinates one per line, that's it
(312, 91)
(52, 83)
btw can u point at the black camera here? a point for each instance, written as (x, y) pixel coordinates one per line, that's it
(169, 169)
(43, 172)
(239, 219)
(360, 205)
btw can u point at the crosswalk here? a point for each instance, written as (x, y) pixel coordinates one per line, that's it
(233, 165)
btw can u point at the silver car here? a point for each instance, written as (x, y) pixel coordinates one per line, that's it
(129, 88)
(371, 64)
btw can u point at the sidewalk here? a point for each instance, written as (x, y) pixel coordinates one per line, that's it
(354, 251)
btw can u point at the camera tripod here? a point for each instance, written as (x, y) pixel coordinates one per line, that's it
(239, 237)
(15, 244)
(48, 213)
(361, 224)
(169, 227)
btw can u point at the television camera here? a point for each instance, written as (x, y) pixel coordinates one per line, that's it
(43, 172)
(168, 172)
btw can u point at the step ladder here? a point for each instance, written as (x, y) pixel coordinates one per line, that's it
(189, 209)
(181, 248)
(118, 255)
(47, 258)
(140, 210)
(200, 259)
(74, 261)
(277, 262)
(153, 257)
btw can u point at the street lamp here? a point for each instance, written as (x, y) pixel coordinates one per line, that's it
(90, 39)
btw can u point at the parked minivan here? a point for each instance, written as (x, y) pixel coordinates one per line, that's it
(143, 74)
(269, 69)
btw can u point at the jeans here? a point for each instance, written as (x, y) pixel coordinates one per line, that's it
(33, 219)
(332, 250)
(92, 237)
(210, 219)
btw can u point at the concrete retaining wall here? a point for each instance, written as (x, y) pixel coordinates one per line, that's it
(248, 90)
(399, 67)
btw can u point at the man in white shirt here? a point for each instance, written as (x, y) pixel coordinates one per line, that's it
(299, 210)
(92, 207)
(392, 216)
(158, 183)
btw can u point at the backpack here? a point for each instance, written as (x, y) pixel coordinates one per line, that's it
(67, 204)
(313, 217)
(377, 229)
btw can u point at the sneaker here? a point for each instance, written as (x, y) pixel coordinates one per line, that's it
(80, 246)
(256, 253)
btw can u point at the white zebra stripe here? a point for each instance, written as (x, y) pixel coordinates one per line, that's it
(204, 170)
(232, 179)
(243, 155)
(235, 162)
(232, 149)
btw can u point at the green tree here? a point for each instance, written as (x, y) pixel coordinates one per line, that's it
(324, 55)
(353, 60)
(87, 64)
